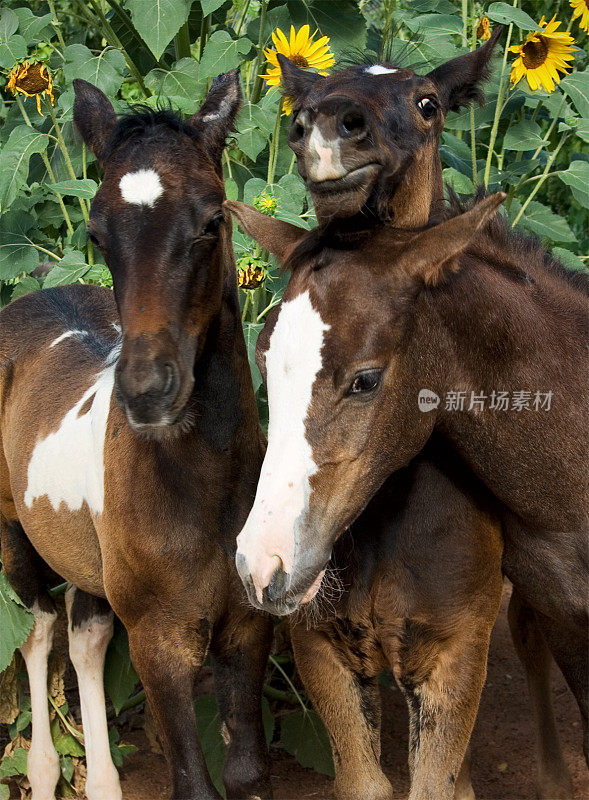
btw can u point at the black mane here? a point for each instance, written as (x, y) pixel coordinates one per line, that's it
(142, 121)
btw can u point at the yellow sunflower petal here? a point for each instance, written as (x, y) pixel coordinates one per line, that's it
(302, 38)
(281, 42)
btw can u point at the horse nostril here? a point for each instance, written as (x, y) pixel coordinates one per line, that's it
(276, 589)
(352, 123)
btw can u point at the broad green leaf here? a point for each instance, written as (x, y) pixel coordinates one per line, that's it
(32, 27)
(250, 141)
(12, 51)
(66, 766)
(84, 187)
(290, 192)
(24, 286)
(70, 269)
(158, 21)
(16, 622)
(524, 135)
(459, 182)
(577, 177)
(208, 723)
(570, 260)
(505, 13)
(182, 81)
(576, 85)
(14, 764)
(304, 736)
(17, 253)
(4, 792)
(208, 6)
(104, 70)
(582, 129)
(120, 678)
(64, 742)
(436, 25)
(543, 222)
(8, 24)
(222, 53)
(253, 188)
(118, 751)
(231, 189)
(342, 22)
(251, 331)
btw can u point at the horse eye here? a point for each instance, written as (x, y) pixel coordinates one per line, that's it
(365, 382)
(427, 107)
(212, 226)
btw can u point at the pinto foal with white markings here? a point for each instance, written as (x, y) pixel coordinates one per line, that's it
(135, 480)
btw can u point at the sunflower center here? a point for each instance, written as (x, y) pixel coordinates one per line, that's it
(299, 61)
(534, 53)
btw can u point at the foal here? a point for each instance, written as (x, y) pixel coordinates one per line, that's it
(135, 480)
(477, 328)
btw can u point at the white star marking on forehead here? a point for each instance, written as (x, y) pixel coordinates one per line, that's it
(378, 69)
(141, 188)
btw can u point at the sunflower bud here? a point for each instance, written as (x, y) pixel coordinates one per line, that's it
(484, 29)
(266, 203)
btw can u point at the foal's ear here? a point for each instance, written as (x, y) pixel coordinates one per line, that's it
(216, 116)
(458, 79)
(295, 81)
(94, 116)
(430, 255)
(275, 235)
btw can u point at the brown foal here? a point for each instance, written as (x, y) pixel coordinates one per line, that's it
(135, 480)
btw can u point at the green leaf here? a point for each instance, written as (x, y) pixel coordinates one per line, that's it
(342, 22)
(84, 187)
(304, 736)
(182, 82)
(158, 21)
(436, 25)
(208, 6)
(17, 253)
(24, 286)
(32, 27)
(8, 24)
(524, 135)
(582, 129)
(104, 70)
(16, 622)
(577, 177)
(576, 85)
(120, 678)
(70, 269)
(290, 192)
(67, 767)
(12, 51)
(570, 260)
(543, 222)
(14, 161)
(251, 331)
(4, 792)
(118, 751)
(231, 189)
(222, 53)
(458, 181)
(253, 188)
(66, 744)
(15, 764)
(208, 723)
(505, 13)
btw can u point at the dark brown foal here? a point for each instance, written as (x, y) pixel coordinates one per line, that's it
(135, 480)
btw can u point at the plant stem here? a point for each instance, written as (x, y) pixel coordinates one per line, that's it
(541, 179)
(132, 702)
(245, 306)
(62, 206)
(499, 106)
(204, 34)
(66, 155)
(57, 590)
(552, 126)
(290, 683)
(279, 694)
(273, 155)
(182, 42)
(228, 162)
(68, 726)
(258, 80)
(465, 22)
(473, 135)
(55, 23)
(239, 26)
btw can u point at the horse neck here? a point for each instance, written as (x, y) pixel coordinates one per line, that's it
(420, 188)
(487, 331)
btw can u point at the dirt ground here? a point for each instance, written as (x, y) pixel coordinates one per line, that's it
(503, 743)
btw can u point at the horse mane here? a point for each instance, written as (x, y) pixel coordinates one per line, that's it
(141, 120)
(513, 251)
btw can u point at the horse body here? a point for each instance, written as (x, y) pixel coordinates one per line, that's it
(134, 481)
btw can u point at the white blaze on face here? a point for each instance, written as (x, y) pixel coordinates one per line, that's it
(293, 360)
(378, 69)
(324, 157)
(141, 188)
(68, 465)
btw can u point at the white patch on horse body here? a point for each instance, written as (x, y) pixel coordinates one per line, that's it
(378, 69)
(325, 157)
(141, 188)
(68, 465)
(293, 360)
(67, 335)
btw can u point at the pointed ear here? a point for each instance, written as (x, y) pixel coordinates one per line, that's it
(429, 256)
(458, 80)
(215, 118)
(275, 235)
(94, 116)
(296, 83)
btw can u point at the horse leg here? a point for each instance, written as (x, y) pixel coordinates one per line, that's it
(90, 630)
(349, 705)
(553, 777)
(442, 680)
(24, 569)
(239, 655)
(168, 652)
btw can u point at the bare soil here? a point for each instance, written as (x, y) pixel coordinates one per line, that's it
(503, 741)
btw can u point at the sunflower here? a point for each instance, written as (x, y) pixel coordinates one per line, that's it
(251, 272)
(484, 29)
(581, 9)
(33, 80)
(302, 51)
(543, 55)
